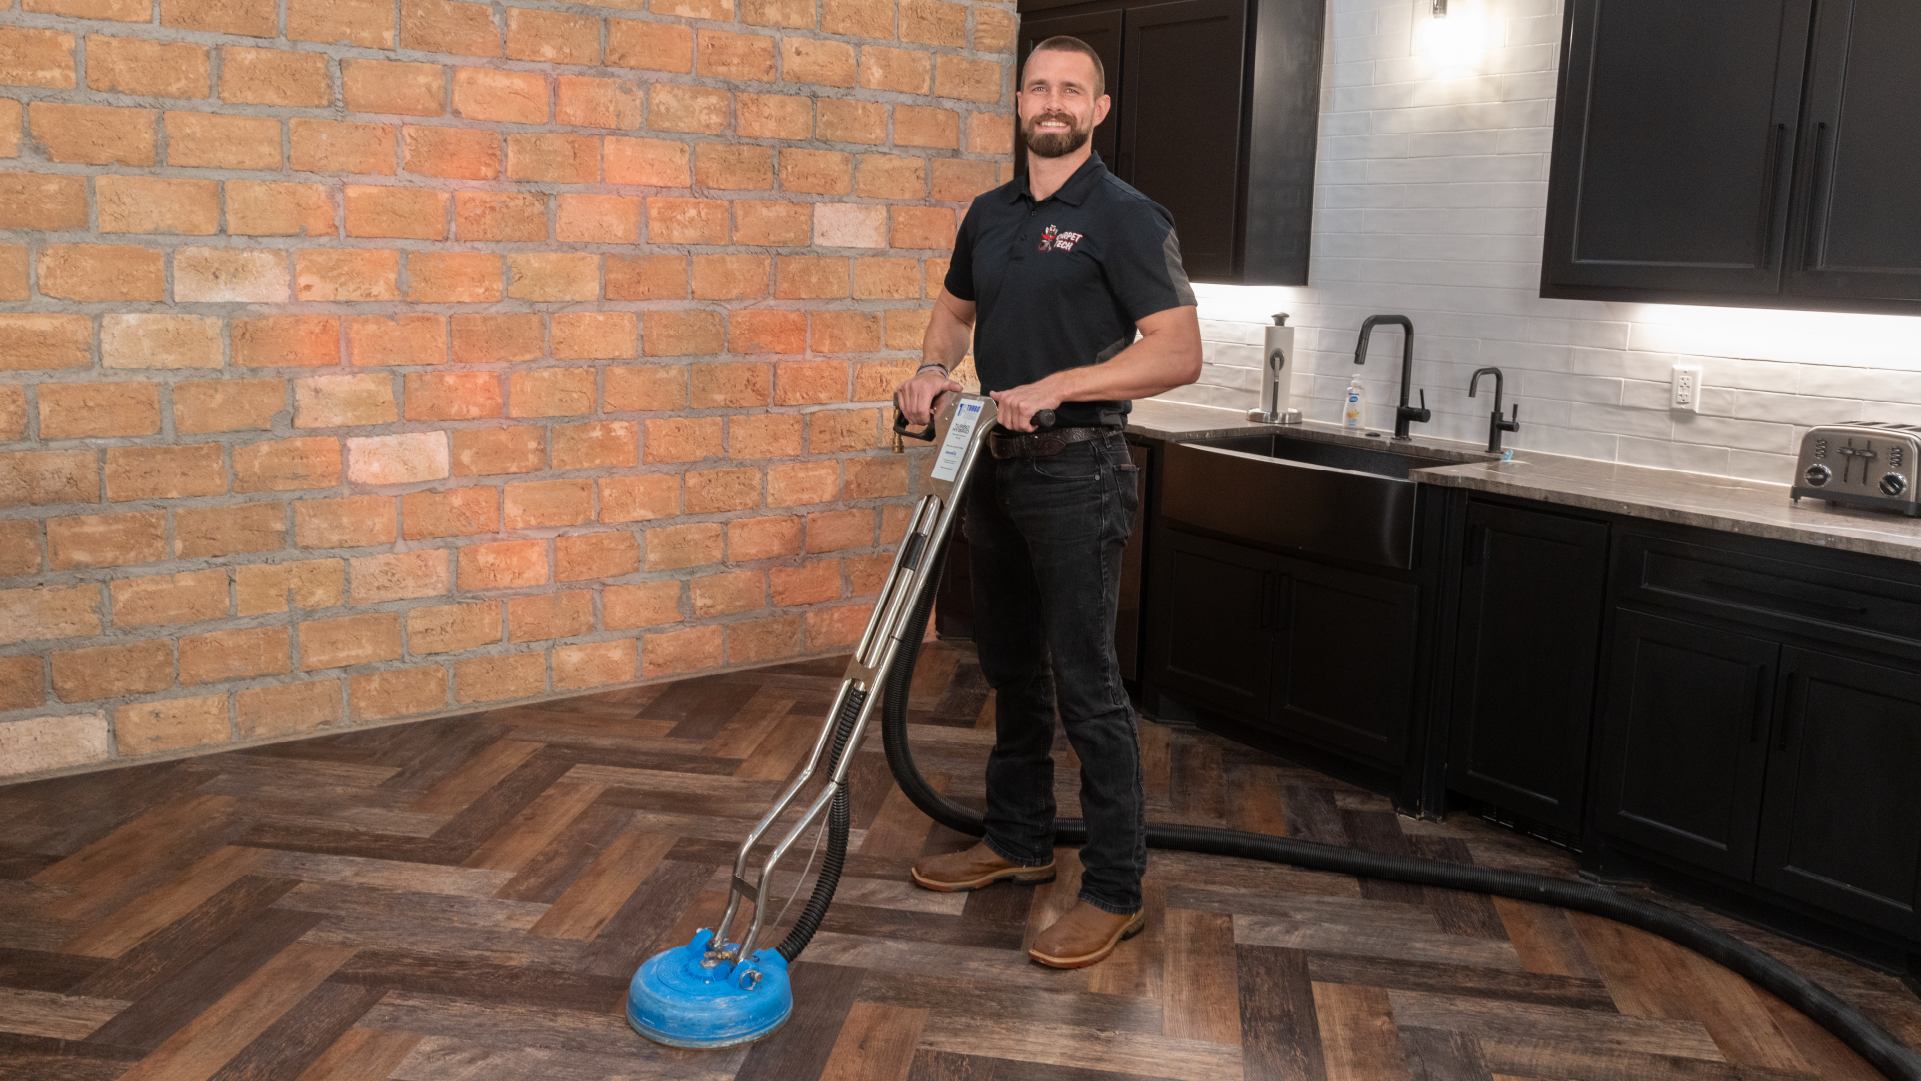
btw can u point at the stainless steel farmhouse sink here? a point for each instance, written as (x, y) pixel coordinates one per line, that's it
(1333, 499)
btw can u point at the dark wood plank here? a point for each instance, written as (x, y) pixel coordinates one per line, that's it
(302, 1034)
(823, 995)
(1280, 1032)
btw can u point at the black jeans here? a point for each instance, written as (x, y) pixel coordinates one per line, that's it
(1046, 535)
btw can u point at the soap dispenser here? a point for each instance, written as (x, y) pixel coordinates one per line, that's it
(1355, 399)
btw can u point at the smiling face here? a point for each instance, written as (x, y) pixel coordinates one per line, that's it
(1060, 102)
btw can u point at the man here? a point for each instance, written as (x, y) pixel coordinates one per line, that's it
(1054, 274)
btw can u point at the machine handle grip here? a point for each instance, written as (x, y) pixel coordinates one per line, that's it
(1043, 420)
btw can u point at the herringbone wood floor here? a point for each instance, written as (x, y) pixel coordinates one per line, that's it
(466, 898)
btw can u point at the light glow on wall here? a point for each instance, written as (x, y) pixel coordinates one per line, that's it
(1842, 339)
(1456, 43)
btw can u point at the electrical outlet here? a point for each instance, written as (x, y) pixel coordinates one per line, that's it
(1685, 393)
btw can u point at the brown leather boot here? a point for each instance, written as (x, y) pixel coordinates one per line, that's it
(958, 872)
(1084, 936)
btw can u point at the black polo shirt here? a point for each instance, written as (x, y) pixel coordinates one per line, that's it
(1060, 283)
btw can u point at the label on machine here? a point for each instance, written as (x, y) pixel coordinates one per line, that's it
(966, 415)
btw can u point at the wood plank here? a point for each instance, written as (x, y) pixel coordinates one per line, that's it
(535, 827)
(1520, 1021)
(1254, 800)
(361, 1054)
(1308, 934)
(494, 764)
(551, 870)
(237, 921)
(1202, 984)
(44, 1058)
(1437, 1055)
(131, 857)
(45, 970)
(1060, 1045)
(748, 726)
(439, 1058)
(449, 910)
(1359, 1041)
(1544, 939)
(781, 751)
(1280, 1034)
(823, 998)
(62, 1017)
(298, 1037)
(606, 885)
(1503, 985)
(213, 1038)
(166, 903)
(385, 874)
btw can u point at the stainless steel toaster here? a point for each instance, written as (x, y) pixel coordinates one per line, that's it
(1865, 464)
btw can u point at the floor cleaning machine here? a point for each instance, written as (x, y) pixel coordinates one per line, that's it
(716, 991)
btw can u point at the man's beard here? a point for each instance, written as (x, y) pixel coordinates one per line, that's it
(1054, 144)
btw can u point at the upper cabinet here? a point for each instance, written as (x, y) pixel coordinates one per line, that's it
(1742, 152)
(1215, 114)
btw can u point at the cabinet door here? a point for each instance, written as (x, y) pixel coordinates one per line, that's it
(1102, 33)
(1859, 204)
(1345, 674)
(1840, 826)
(1530, 629)
(1673, 143)
(1180, 130)
(1221, 603)
(1685, 740)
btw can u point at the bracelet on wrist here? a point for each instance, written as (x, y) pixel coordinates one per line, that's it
(942, 368)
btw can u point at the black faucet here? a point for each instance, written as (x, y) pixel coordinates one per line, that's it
(1404, 414)
(1496, 423)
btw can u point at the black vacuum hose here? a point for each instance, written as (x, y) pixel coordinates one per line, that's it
(839, 816)
(1865, 1037)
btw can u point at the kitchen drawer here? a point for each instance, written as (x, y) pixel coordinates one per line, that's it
(1756, 589)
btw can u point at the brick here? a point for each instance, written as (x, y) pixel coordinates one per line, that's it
(152, 727)
(22, 684)
(799, 277)
(722, 55)
(102, 272)
(164, 472)
(125, 11)
(552, 37)
(764, 222)
(686, 221)
(649, 46)
(511, 97)
(408, 458)
(936, 281)
(994, 30)
(595, 555)
(388, 86)
(919, 125)
(595, 335)
(762, 538)
(551, 392)
(342, 401)
(718, 10)
(285, 709)
(598, 445)
(907, 71)
(844, 332)
(398, 576)
(725, 594)
(677, 546)
(366, 23)
(336, 643)
(715, 491)
(106, 540)
(49, 612)
(733, 168)
(400, 693)
(850, 225)
(453, 395)
(556, 159)
(493, 451)
(453, 277)
(346, 274)
(442, 26)
(339, 146)
(763, 639)
(80, 675)
(680, 651)
(676, 334)
(262, 588)
(973, 80)
(553, 276)
(922, 227)
(285, 465)
(499, 216)
(33, 57)
(887, 279)
(990, 133)
(461, 512)
(537, 504)
(884, 176)
(646, 277)
(721, 385)
(876, 478)
(767, 435)
(47, 743)
(639, 499)
(829, 531)
(840, 626)
(147, 68)
(19, 548)
(768, 332)
(497, 339)
(594, 664)
(266, 208)
(39, 478)
(221, 531)
(209, 141)
(242, 275)
(583, 100)
(447, 628)
(188, 597)
(93, 134)
(697, 109)
(867, 574)
(859, 18)
(810, 60)
(730, 277)
(844, 121)
(646, 604)
(13, 272)
(376, 340)
(94, 410)
(657, 387)
(274, 77)
(494, 679)
(821, 172)
(798, 14)
(160, 341)
(42, 201)
(455, 153)
(682, 439)
(249, 18)
(810, 583)
(654, 162)
(550, 615)
(810, 382)
(286, 341)
(931, 22)
(875, 382)
(958, 180)
(410, 213)
(503, 565)
(352, 522)
(842, 430)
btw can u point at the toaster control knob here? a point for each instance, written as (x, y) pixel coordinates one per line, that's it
(1818, 474)
(1894, 484)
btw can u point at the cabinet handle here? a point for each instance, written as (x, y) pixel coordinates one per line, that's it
(1817, 229)
(1787, 712)
(1777, 143)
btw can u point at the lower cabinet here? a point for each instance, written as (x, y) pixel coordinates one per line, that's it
(1217, 647)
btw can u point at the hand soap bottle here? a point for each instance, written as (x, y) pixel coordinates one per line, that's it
(1351, 412)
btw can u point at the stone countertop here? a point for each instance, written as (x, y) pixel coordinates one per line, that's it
(1750, 508)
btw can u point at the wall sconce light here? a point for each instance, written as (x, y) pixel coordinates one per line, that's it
(1440, 9)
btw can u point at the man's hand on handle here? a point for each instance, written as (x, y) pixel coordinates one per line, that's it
(915, 397)
(1019, 405)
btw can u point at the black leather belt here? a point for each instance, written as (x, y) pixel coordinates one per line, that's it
(1041, 444)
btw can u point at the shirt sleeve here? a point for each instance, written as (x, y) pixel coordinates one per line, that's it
(1143, 264)
(960, 266)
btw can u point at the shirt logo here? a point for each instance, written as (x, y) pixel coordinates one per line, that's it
(1052, 238)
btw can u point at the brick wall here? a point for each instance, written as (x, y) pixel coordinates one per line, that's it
(364, 359)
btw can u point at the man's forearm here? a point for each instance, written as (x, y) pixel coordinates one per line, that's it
(947, 338)
(1153, 365)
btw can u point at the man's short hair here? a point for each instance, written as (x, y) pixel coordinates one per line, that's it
(1061, 43)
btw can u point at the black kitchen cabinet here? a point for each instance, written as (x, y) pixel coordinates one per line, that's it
(1531, 600)
(1221, 601)
(1344, 677)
